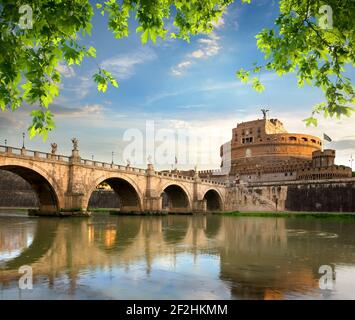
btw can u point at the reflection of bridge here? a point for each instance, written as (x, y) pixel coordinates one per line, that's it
(258, 257)
(65, 184)
(59, 243)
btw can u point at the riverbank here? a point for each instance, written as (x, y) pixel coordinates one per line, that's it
(286, 214)
(113, 211)
(117, 212)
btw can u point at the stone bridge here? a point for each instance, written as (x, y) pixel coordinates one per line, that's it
(64, 184)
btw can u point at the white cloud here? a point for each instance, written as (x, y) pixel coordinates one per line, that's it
(219, 86)
(82, 87)
(180, 68)
(197, 54)
(211, 44)
(208, 46)
(192, 106)
(219, 23)
(81, 111)
(124, 66)
(66, 71)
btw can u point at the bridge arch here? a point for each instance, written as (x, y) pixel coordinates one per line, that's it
(49, 193)
(130, 196)
(213, 200)
(176, 198)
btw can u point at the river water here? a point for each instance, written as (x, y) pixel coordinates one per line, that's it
(178, 257)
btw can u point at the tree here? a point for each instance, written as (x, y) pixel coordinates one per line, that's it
(36, 35)
(315, 40)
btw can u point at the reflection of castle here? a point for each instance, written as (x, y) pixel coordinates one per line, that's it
(262, 150)
(258, 257)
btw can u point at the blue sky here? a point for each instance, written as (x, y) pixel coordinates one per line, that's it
(178, 85)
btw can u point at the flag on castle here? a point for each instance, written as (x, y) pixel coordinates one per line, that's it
(326, 137)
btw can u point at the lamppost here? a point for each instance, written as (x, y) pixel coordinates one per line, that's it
(92, 157)
(23, 140)
(112, 156)
(5, 142)
(351, 162)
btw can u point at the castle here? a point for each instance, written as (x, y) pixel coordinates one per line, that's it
(263, 151)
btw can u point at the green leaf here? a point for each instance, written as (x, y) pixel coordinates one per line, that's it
(144, 36)
(257, 85)
(243, 75)
(153, 35)
(92, 52)
(311, 121)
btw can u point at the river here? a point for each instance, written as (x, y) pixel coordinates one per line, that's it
(178, 257)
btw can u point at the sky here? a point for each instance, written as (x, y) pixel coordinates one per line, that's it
(172, 89)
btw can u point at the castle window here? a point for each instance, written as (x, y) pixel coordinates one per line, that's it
(314, 141)
(304, 139)
(292, 138)
(248, 140)
(285, 174)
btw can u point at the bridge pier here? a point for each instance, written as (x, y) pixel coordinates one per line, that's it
(153, 205)
(200, 206)
(74, 205)
(153, 202)
(75, 196)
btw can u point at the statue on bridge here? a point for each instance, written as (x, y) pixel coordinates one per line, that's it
(54, 148)
(150, 159)
(75, 142)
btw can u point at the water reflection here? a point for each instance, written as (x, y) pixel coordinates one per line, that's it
(177, 257)
(14, 240)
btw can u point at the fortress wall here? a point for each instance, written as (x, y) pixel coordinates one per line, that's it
(16, 192)
(313, 196)
(104, 199)
(332, 197)
(18, 199)
(269, 177)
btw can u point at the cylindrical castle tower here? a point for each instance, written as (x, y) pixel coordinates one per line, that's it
(265, 143)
